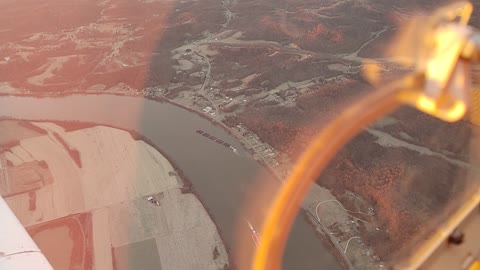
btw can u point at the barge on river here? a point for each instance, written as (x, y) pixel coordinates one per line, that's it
(215, 139)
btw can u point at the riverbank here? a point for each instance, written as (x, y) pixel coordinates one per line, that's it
(327, 241)
(127, 94)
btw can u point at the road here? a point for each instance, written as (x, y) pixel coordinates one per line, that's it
(341, 206)
(354, 55)
(335, 243)
(348, 242)
(228, 13)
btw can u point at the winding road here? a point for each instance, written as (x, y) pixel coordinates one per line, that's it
(348, 242)
(341, 206)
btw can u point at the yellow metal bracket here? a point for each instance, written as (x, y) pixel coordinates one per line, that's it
(447, 78)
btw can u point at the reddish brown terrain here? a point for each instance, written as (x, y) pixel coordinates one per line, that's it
(279, 68)
(413, 171)
(73, 247)
(52, 46)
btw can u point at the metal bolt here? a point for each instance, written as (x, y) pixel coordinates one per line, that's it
(456, 237)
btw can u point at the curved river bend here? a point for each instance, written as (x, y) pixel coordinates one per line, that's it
(219, 176)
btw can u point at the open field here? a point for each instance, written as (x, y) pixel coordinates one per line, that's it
(72, 248)
(110, 189)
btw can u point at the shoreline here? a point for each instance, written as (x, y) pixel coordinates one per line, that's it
(189, 186)
(327, 241)
(134, 95)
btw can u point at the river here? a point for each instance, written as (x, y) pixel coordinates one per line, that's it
(220, 177)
